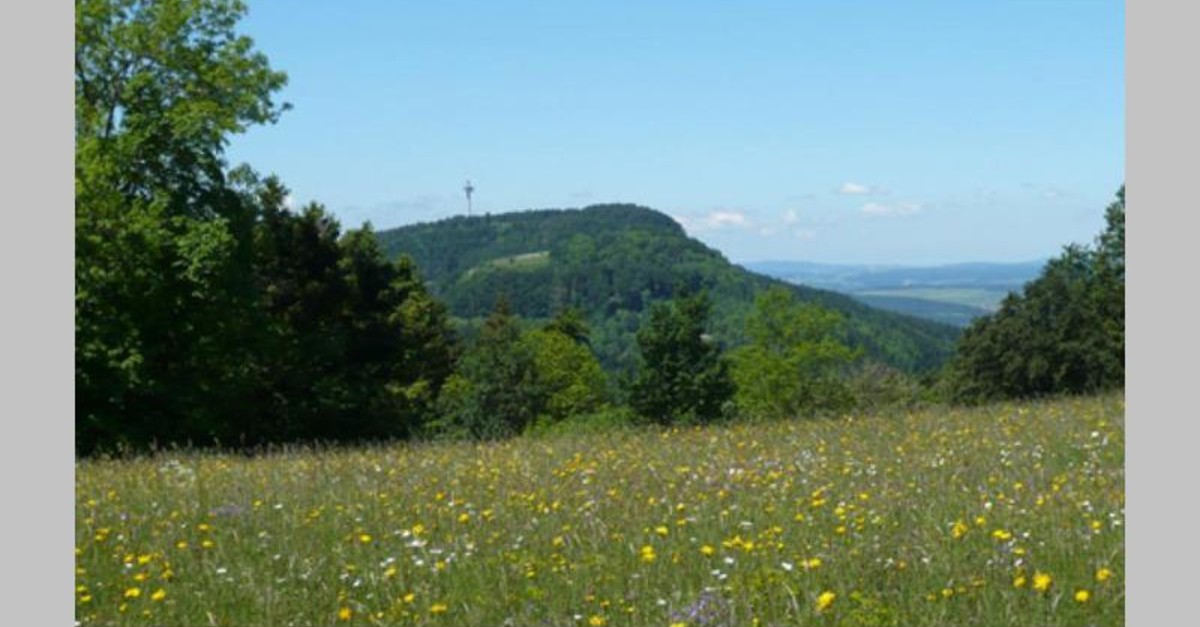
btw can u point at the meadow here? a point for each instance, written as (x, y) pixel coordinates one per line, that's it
(1008, 514)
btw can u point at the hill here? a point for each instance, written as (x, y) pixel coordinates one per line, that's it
(953, 294)
(614, 261)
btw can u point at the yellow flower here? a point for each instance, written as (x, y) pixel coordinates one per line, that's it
(597, 621)
(824, 600)
(438, 608)
(1103, 574)
(345, 613)
(679, 624)
(365, 538)
(390, 572)
(661, 530)
(959, 529)
(813, 563)
(1002, 535)
(158, 595)
(648, 554)
(464, 518)
(1041, 581)
(707, 550)
(207, 544)
(133, 593)
(1019, 581)
(1082, 596)
(408, 598)
(182, 544)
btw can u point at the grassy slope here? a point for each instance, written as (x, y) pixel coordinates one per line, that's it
(542, 531)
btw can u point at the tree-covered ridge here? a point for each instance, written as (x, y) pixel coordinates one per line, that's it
(614, 261)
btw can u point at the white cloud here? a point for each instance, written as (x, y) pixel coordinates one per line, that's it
(855, 189)
(791, 216)
(714, 221)
(901, 209)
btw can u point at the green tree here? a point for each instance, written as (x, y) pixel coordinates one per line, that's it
(794, 364)
(1065, 333)
(164, 298)
(206, 309)
(495, 391)
(683, 375)
(570, 375)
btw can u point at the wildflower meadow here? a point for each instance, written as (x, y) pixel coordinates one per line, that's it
(1008, 514)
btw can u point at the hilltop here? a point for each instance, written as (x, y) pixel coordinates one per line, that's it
(613, 261)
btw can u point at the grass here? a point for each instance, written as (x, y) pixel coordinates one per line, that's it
(945, 517)
(514, 263)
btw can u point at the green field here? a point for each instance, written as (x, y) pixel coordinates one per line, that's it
(1011, 514)
(988, 299)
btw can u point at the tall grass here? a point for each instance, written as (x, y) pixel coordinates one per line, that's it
(944, 517)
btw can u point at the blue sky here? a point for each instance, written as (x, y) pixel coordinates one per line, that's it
(874, 132)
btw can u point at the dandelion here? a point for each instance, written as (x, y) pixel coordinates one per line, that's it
(464, 518)
(345, 613)
(1082, 596)
(133, 593)
(1019, 581)
(1002, 535)
(661, 530)
(1042, 581)
(597, 621)
(824, 600)
(1103, 574)
(364, 538)
(648, 554)
(707, 550)
(158, 595)
(959, 529)
(438, 608)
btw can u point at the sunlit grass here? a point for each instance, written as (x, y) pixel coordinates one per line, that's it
(1009, 514)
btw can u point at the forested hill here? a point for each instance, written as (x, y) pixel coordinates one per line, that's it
(612, 261)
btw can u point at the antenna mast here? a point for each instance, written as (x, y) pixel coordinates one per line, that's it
(469, 189)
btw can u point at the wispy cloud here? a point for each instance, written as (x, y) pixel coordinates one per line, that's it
(714, 221)
(855, 189)
(899, 209)
(791, 216)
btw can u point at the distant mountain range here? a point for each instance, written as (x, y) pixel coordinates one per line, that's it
(953, 293)
(614, 261)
